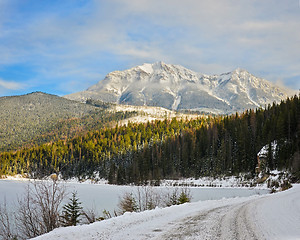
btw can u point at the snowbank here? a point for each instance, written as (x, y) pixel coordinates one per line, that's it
(275, 216)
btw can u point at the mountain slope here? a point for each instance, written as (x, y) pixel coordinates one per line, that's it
(177, 88)
(25, 117)
(38, 117)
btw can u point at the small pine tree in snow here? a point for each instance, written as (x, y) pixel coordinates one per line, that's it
(175, 198)
(71, 212)
(183, 198)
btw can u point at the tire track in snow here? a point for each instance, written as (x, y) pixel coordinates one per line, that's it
(244, 227)
(222, 223)
(237, 224)
(201, 226)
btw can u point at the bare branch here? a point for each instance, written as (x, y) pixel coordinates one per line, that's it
(39, 209)
(7, 226)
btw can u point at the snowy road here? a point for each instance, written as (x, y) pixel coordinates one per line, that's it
(229, 222)
(275, 216)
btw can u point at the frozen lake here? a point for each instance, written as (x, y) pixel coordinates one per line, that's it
(102, 196)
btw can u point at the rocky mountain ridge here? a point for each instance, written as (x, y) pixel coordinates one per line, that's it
(177, 88)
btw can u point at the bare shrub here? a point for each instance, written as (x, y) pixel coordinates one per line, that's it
(7, 227)
(148, 197)
(90, 215)
(38, 210)
(128, 203)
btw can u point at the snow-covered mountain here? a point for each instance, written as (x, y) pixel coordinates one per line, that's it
(177, 88)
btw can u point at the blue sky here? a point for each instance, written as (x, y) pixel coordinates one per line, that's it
(61, 47)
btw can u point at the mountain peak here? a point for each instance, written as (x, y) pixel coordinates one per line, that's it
(178, 88)
(147, 67)
(151, 67)
(239, 71)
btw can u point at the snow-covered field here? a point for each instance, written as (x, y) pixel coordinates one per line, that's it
(275, 216)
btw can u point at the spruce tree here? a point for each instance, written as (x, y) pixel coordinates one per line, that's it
(71, 211)
(183, 198)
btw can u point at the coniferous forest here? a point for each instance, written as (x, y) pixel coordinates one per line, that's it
(142, 153)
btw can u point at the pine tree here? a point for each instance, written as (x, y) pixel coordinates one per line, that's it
(71, 212)
(183, 198)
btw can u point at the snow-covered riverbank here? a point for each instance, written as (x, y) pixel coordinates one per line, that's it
(106, 197)
(245, 180)
(275, 216)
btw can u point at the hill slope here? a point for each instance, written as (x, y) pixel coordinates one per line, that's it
(38, 118)
(177, 88)
(24, 117)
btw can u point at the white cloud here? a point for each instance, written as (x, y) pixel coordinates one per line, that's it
(10, 85)
(208, 36)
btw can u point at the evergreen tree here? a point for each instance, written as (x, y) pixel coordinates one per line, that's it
(183, 198)
(140, 153)
(71, 212)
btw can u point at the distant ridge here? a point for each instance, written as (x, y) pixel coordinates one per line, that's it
(177, 88)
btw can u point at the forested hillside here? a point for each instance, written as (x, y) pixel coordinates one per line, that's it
(138, 153)
(39, 118)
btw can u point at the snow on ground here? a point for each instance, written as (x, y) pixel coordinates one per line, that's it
(275, 216)
(279, 215)
(222, 181)
(17, 177)
(228, 181)
(147, 113)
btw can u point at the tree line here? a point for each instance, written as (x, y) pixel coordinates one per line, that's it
(143, 153)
